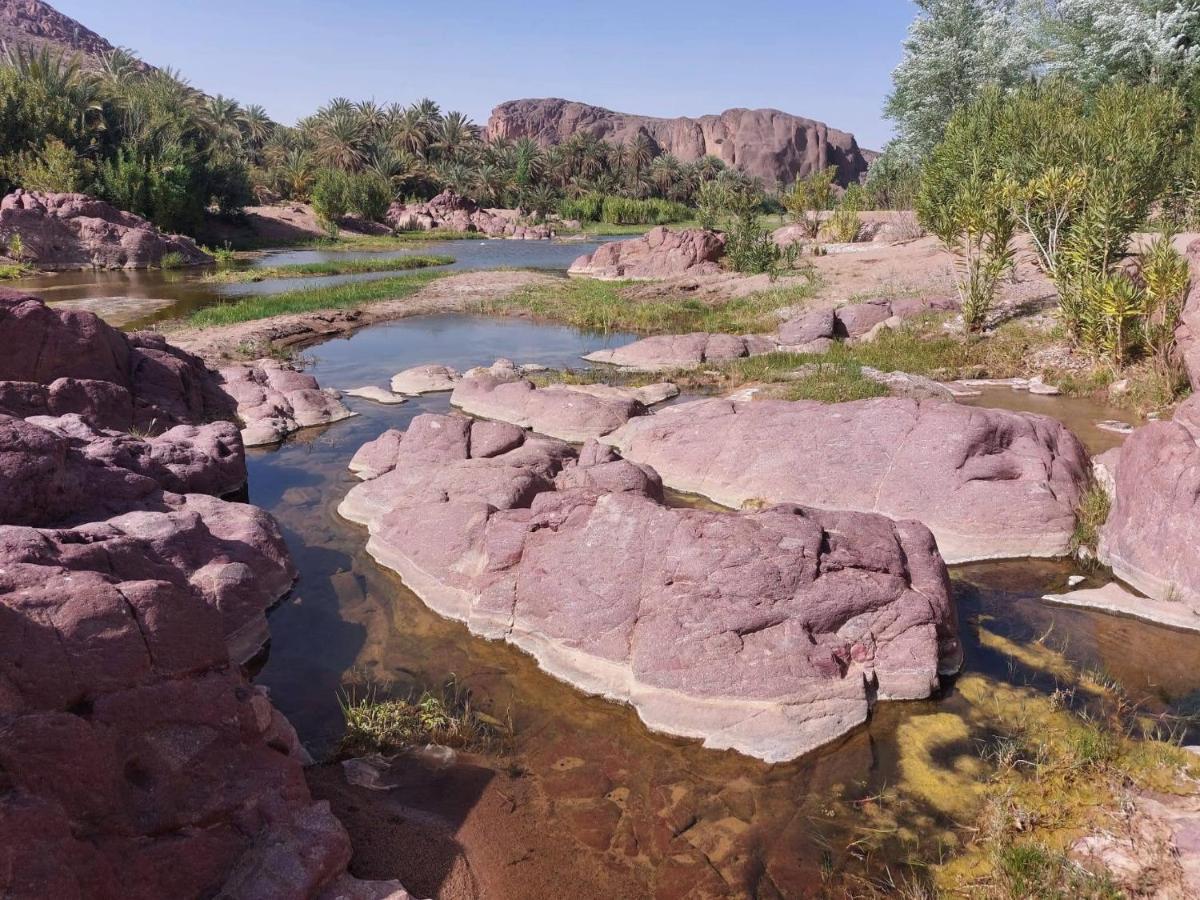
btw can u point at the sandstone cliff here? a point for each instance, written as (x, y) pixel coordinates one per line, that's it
(765, 143)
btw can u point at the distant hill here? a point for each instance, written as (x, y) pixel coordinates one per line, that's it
(772, 145)
(33, 24)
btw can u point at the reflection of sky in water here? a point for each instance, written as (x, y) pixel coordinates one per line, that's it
(349, 614)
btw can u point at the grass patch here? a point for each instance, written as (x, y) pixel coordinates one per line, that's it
(11, 271)
(172, 260)
(246, 309)
(602, 229)
(605, 306)
(1090, 516)
(831, 382)
(377, 723)
(339, 267)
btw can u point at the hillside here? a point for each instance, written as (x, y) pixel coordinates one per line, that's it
(35, 25)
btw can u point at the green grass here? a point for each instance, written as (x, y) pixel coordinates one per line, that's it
(340, 296)
(606, 306)
(603, 228)
(831, 382)
(339, 267)
(172, 260)
(376, 723)
(1090, 516)
(11, 271)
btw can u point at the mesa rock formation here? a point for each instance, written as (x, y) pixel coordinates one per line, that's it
(767, 632)
(136, 760)
(988, 483)
(659, 253)
(75, 231)
(454, 212)
(1153, 529)
(765, 143)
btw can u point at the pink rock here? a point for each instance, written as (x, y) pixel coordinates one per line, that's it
(425, 380)
(660, 253)
(767, 632)
(1187, 335)
(74, 231)
(554, 411)
(454, 212)
(988, 483)
(1153, 529)
(681, 351)
(809, 326)
(857, 319)
(274, 400)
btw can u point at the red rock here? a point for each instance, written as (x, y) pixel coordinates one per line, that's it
(681, 351)
(454, 212)
(659, 253)
(767, 632)
(75, 231)
(989, 483)
(1187, 335)
(765, 143)
(274, 400)
(1153, 530)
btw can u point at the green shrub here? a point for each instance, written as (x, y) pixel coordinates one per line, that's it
(809, 198)
(172, 260)
(845, 225)
(331, 197)
(750, 248)
(55, 168)
(370, 195)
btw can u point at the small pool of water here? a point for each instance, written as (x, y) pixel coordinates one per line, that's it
(785, 826)
(1080, 414)
(136, 299)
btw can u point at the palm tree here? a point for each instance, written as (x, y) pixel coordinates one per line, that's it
(410, 132)
(492, 183)
(529, 162)
(641, 150)
(454, 134)
(295, 173)
(338, 106)
(256, 125)
(665, 171)
(341, 142)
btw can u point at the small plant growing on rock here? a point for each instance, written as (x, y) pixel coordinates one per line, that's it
(16, 247)
(172, 260)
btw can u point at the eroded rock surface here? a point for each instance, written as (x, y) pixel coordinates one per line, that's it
(766, 632)
(659, 253)
(558, 411)
(273, 400)
(75, 231)
(136, 761)
(55, 362)
(664, 352)
(1153, 530)
(764, 143)
(1188, 333)
(989, 483)
(430, 379)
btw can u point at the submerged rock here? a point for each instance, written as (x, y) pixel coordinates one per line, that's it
(274, 400)
(767, 632)
(557, 411)
(989, 483)
(659, 253)
(1153, 530)
(377, 394)
(1113, 598)
(75, 231)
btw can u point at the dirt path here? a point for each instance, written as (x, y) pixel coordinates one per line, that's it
(264, 337)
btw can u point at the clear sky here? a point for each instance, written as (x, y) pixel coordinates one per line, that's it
(826, 59)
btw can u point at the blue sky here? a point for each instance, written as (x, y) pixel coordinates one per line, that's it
(827, 60)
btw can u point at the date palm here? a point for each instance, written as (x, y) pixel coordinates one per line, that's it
(641, 151)
(454, 135)
(341, 142)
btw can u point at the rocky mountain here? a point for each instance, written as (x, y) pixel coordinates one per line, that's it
(765, 143)
(33, 24)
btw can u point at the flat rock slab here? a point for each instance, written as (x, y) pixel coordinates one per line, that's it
(274, 400)
(1153, 531)
(768, 632)
(683, 351)
(556, 411)
(430, 379)
(990, 484)
(648, 395)
(1113, 598)
(377, 394)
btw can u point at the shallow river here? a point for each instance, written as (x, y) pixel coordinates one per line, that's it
(131, 299)
(786, 824)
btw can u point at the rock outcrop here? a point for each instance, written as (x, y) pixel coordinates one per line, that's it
(767, 632)
(453, 212)
(75, 231)
(429, 379)
(1153, 529)
(273, 400)
(55, 362)
(556, 411)
(659, 253)
(764, 143)
(136, 761)
(682, 351)
(988, 483)
(34, 25)
(1187, 335)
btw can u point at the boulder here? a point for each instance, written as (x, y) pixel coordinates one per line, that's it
(425, 380)
(988, 483)
(763, 143)
(556, 411)
(453, 212)
(58, 362)
(769, 632)
(807, 328)
(1187, 335)
(75, 231)
(659, 253)
(274, 400)
(1153, 530)
(665, 352)
(376, 394)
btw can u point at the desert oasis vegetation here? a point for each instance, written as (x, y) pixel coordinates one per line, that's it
(401, 502)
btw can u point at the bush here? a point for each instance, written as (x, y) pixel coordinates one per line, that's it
(750, 248)
(370, 195)
(845, 226)
(809, 198)
(331, 197)
(55, 168)
(613, 210)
